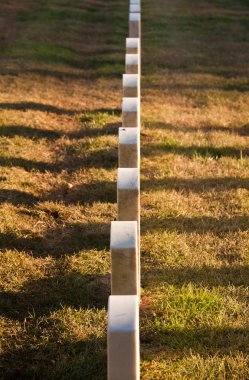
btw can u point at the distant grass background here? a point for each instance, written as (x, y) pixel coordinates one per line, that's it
(61, 68)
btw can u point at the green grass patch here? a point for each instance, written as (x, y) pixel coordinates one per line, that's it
(44, 52)
(199, 152)
(99, 119)
(192, 319)
(187, 307)
(48, 15)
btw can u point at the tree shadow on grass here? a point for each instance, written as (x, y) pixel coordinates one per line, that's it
(102, 158)
(236, 275)
(108, 129)
(28, 165)
(79, 359)
(88, 66)
(60, 241)
(97, 116)
(195, 185)
(47, 72)
(17, 197)
(29, 132)
(96, 192)
(41, 297)
(102, 191)
(48, 108)
(243, 130)
(36, 133)
(199, 87)
(200, 225)
(26, 106)
(105, 191)
(200, 340)
(195, 151)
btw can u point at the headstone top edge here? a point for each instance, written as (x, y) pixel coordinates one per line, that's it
(123, 235)
(123, 314)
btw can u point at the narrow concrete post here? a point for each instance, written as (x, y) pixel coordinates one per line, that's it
(124, 258)
(129, 148)
(134, 1)
(135, 8)
(132, 64)
(131, 85)
(132, 46)
(123, 338)
(134, 25)
(131, 113)
(128, 194)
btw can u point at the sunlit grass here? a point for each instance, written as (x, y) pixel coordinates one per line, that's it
(60, 110)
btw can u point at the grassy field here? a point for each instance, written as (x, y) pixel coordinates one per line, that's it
(61, 67)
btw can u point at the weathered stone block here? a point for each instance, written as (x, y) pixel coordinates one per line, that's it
(129, 148)
(135, 8)
(128, 194)
(131, 85)
(123, 338)
(132, 64)
(124, 258)
(132, 46)
(131, 113)
(135, 25)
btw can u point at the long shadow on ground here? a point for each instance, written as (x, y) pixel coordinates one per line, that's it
(199, 225)
(234, 274)
(49, 294)
(242, 130)
(102, 158)
(204, 341)
(59, 241)
(67, 359)
(195, 185)
(195, 150)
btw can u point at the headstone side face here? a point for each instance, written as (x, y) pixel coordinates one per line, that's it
(129, 148)
(131, 85)
(123, 338)
(128, 204)
(124, 258)
(135, 8)
(132, 64)
(128, 194)
(131, 50)
(134, 25)
(128, 179)
(131, 113)
(128, 156)
(132, 46)
(124, 269)
(130, 120)
(123, 235)
(130, 92)
(132, 68)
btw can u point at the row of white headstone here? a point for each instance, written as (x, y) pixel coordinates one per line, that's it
(123, 306)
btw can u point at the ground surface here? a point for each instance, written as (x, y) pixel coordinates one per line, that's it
(61, 65)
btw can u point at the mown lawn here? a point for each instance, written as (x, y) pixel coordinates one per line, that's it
(61, 67)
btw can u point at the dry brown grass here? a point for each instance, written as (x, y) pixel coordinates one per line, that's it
(59, 114)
